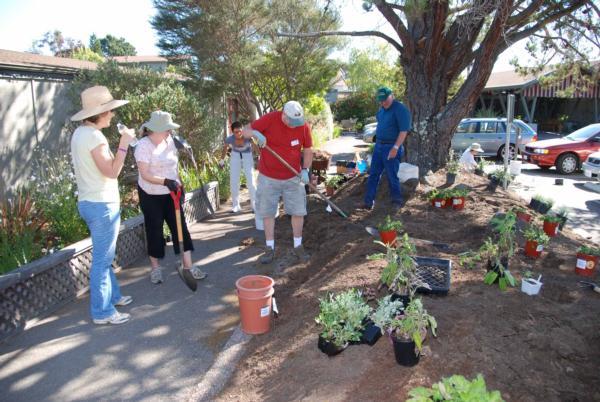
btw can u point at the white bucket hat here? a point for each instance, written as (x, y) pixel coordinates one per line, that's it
(476, 147)
(160, 121)
(96, 100)
(294, 113)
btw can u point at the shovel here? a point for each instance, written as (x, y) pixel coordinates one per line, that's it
(181, 143)
(310, 185)
(190, 283)
(442, 246)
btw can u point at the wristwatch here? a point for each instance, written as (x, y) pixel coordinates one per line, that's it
(396, 147)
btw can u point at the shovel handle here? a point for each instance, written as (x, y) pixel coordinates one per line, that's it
(176, 196)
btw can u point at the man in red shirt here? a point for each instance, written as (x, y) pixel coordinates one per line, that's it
(289, 136)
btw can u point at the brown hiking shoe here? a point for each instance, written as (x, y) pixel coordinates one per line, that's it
(268, 256)
(301, 253)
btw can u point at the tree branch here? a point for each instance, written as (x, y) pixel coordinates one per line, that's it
(390, 15)
(394, 43)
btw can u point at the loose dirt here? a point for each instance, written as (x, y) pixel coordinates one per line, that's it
(542, 348)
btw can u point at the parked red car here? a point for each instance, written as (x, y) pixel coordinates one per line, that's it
(567, 153)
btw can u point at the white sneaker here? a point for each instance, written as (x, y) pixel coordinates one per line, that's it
(236, 209)
(156, 276)
(197, 273)
(124, 300)
(116, 318)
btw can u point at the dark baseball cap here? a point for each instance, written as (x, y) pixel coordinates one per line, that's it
(383, 93)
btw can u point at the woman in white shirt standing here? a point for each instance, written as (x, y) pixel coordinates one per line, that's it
(157, 160)
(96, 170)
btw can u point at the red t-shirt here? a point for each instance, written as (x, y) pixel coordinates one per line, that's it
(287, 142)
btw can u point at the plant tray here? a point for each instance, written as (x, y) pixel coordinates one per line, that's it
(436, 273)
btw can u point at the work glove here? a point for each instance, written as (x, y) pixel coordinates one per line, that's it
(304, 176)
(260, 139)
(172, 185)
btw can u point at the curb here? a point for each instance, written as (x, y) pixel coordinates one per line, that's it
(217, 376)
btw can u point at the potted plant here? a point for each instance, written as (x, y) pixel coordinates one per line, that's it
(447, 195)
(436, 197)
(456, 388)
(541, 204)
(587, 260)
(388, 230)
(551, 223)
(458, 197)
(536, 240)
(563, 213)
(406, 331)
(497, 177)
(499, 249)
(332, 183)
(480, 169)
(399, 275)
(341, 318)
(522, 214)
(453, 166)
(530, 285)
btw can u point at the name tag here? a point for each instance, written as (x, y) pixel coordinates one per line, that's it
(295, 143)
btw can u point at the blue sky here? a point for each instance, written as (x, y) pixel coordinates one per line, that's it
(23, 21)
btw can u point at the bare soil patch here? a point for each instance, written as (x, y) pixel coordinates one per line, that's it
(543, 348)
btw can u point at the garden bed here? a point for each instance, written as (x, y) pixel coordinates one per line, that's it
(530, 348)
(42, 286)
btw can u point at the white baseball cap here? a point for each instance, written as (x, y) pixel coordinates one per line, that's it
(294, 113)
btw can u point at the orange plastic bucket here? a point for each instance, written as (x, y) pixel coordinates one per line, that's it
(254, 294)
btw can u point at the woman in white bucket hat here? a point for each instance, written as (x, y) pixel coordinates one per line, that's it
(157, 160)
(96, 171)
(467, 160)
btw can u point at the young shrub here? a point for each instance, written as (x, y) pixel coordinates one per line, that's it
(413, 323)
(341, 317)
(390, 224)
(456, 388)
(536, 234)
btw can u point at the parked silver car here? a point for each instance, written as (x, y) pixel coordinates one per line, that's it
(369, 132)
(591, 167)
(490, 133)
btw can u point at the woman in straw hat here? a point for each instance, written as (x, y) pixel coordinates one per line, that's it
(467, 159)
(157, 160)
(96, 171)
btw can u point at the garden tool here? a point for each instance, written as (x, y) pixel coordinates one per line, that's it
(310, 185)
(182, 144)
(186, 277)
(442, 246)
(591, 285)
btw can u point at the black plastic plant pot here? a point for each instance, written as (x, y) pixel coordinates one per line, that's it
(479, 172)
(406, 352)
(329, 348)
(404, 298)
(496, 268)
(543, 207)
(371, 334)
(534, 204)
(450, 178)
(562, 223)
(493, 185)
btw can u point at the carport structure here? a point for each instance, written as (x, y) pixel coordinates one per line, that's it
(552, 107)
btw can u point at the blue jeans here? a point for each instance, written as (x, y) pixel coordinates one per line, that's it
(103, 219)
(379, 163)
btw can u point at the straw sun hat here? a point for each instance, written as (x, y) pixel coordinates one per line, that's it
(96, 100)
(476, 147)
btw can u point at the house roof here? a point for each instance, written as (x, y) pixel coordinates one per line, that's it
(10, 59)
(140, 59)
(508, 80)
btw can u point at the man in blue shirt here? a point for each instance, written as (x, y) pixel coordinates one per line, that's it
(393, 124)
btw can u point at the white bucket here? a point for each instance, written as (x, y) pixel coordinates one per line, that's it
(407, 172)
(515, 168)
(531, 286)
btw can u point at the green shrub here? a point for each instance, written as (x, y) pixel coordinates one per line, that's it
(360, 105)
(341, 317)
(22, 237)
(320, 119)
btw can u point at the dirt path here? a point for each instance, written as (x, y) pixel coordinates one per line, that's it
(543, 348)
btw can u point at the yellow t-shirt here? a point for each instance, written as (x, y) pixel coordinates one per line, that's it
(92, 185)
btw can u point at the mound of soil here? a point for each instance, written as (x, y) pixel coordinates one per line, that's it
(543, 348)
